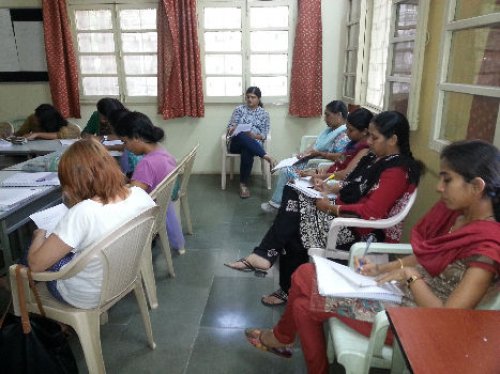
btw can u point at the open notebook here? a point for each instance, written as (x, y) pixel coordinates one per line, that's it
(287, 162)
(304, 186)
(38, 179)
(49, 218)
(337, 280)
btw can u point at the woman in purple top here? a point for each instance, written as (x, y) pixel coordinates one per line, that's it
(141, 137)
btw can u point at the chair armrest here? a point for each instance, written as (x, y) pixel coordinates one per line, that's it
(358, 249)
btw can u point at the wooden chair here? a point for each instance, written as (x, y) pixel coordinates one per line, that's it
(358, 353)
(226, 155)
(331, 252)
(120, 254)
(181, 201)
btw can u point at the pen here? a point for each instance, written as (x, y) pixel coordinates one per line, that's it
(369, 241)
(330, 177)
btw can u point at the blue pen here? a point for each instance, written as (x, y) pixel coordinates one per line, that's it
(369, 241)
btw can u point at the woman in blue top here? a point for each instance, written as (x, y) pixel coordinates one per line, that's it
(249, 143)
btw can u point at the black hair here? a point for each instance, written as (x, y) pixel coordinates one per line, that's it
(107, 104)
(477, 158)
(254, 90)
(136, 125)
(115, 116)
(360, 118)
(337, 106)
(49, 118)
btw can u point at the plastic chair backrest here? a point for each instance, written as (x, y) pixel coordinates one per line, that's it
(6, 129)
(307, 141)
(186, 167)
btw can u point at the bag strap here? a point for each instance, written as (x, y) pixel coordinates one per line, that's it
(25, 321)
(35, 293)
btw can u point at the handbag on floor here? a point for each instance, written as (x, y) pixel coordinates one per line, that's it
(33, 343)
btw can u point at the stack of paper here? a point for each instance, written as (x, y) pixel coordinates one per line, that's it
(336, 280)
(49, 218)
(38, 179)
(242, 127)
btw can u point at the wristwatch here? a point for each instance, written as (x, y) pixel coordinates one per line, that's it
(412, 279)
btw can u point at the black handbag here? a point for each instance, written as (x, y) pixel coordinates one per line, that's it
(33, 343)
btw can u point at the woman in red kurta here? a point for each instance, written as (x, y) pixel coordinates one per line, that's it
(378, 187)
(456, 261)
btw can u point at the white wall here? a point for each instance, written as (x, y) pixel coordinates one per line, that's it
(19, 100)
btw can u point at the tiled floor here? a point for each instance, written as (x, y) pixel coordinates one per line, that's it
(198, 326)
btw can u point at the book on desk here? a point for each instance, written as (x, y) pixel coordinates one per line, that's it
(38, 179)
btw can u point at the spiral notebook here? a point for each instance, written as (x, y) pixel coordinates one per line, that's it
(38, 179)
(336, 280)
(304, 186)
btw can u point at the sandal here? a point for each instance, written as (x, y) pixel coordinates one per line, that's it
(281, 295)
(253, 337)
(244, 192)
(259, 272)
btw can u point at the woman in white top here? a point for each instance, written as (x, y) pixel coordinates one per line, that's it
(99, 201)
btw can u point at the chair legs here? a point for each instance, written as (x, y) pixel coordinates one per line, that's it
(166, 250)
(187, 214)
(143, 307)
(148, 277)
(87, 327)
(223, 172)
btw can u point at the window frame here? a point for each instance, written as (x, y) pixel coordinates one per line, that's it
(115, 7)
(450, 26)
(364, 38)
(245, 52)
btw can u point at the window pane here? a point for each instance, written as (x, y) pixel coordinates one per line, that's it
(222, 18)
(406, 18)
(224, 86)
(98, 64)
(267, 41)
(139, 42)
(271, 86)
(96, 42)
(475, 57)
(352, 61)
(355, 10)
(137, 65)
(268, 64)
(264, 17)
(138, 19)
(402, 58)
(349, 85)
(480, 123)
(353, 34)
(142, 86)
(223, 41)
(93, 20)
(100, 86)
(223, 64)
(398, 97)
(474, 8)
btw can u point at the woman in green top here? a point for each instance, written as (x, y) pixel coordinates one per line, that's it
(98, 123)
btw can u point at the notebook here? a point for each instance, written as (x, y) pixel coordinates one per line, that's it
(11, 197)
(22, 179)
(304, 186)
(336, 280)
(242, 127)
(49, 218)
(286, 163)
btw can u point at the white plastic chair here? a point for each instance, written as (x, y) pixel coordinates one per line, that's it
(182, 203)
(264, 166)
(120, 254)
(331, 252)
(358, 353)
(6, 129)
(161, 196)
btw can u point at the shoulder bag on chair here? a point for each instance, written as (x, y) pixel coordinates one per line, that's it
(32, 343)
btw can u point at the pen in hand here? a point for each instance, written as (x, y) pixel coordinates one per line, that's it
(369, 241)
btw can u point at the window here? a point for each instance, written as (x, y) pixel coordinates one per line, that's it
(468, 99)
(116, 47)
(384, 73)
(245, 43)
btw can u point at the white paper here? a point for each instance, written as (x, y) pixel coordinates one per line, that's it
(68, 141)
(49, 218)
(5, 144)
(23, 179)
(304, 186)
(112, 142)
(10, 197)
(242, 127)
(337, 280)
(286, 163)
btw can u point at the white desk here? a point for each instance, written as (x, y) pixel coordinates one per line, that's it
(33, 148)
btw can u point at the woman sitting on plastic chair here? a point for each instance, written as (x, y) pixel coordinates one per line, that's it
(379, 187)
(99, 201)
(455, 264)
(254, 121)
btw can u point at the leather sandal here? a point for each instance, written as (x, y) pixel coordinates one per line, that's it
(279, 294)
(253, 337)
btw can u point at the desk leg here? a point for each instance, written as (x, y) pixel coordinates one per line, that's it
(6, 248)
(398, 361)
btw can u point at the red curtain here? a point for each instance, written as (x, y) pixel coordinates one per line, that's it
(180, 90)
(61, 59)
(306, 82)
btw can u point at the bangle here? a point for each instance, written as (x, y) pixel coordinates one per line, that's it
(401, 263)
(412, 279)
(338, 210)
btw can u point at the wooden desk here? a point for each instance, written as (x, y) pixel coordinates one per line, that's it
(437, 341)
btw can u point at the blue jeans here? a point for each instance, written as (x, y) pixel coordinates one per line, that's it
(248, 148)
(284, 176)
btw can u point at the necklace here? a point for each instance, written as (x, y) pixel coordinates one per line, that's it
(456, 225)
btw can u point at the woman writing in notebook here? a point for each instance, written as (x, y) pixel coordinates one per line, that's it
(99, 201)
(378, 187)
(141, 137)
(456, 260)
(249, 142)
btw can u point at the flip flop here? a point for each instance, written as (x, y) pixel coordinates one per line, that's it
(279, 294)
(244, 192)
(253, 337)
(248, 268)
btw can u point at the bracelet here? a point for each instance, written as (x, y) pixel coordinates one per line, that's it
(413, 279)
(401, 263)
